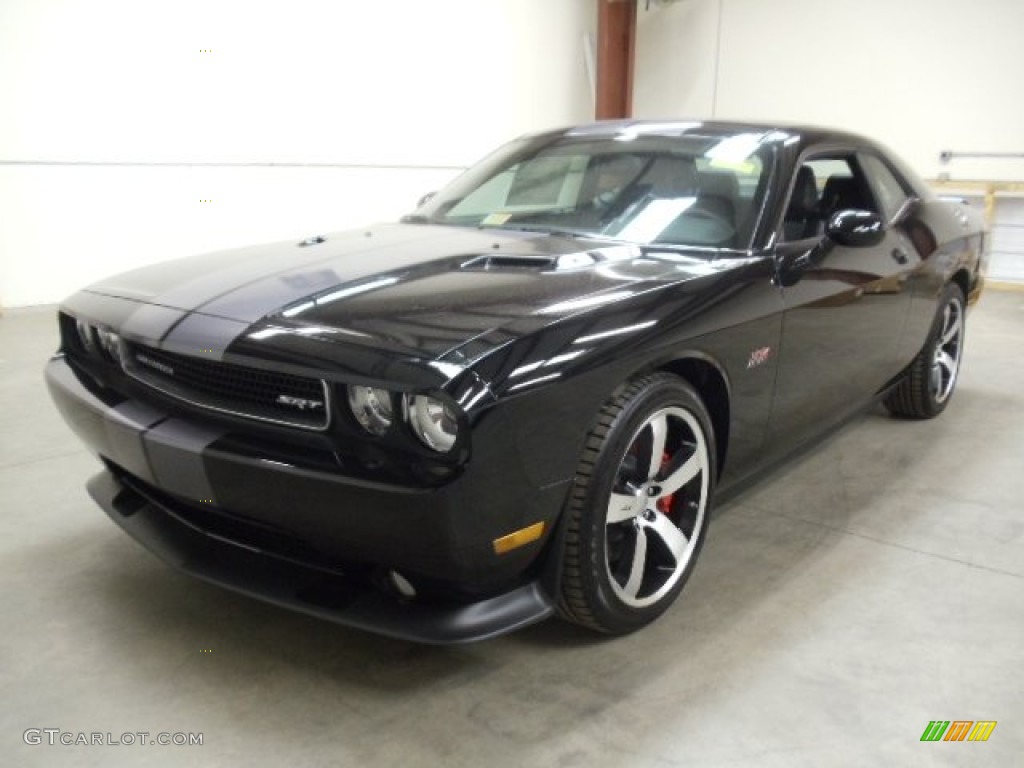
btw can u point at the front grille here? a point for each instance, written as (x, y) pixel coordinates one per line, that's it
(280, 398)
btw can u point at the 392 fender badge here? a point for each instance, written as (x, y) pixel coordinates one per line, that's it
(759, 356)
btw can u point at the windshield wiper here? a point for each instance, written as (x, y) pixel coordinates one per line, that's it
(575, 234)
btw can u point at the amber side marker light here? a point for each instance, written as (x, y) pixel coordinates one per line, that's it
(518, 538)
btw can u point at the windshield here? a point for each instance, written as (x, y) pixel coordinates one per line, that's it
(686, 190)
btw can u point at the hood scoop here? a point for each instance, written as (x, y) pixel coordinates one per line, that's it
(495, 261)
(577, 260)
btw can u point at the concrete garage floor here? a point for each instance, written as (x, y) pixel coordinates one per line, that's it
(870, 586)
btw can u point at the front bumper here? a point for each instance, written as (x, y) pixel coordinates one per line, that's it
(312, 539)
(326, 595)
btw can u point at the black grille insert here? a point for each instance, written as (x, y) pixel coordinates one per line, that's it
(281, 398)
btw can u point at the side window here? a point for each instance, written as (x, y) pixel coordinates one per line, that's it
(890, 190)
(823, 185)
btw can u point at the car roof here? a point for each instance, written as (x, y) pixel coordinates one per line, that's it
(804, 134)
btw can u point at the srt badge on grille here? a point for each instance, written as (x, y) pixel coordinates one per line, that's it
(156, 365)
(300, 402)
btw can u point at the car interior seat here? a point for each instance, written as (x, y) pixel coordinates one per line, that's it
(803, 216)
(711, 219)
(670, 176)
(842, 193)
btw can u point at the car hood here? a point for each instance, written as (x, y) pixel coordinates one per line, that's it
(421, 289)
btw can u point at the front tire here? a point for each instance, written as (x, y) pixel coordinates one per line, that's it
(639, 507)
(928, 385)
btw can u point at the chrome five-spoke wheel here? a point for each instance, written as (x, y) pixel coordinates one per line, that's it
(928, 383)
(946, 362)
(638, 511)
(657, 503)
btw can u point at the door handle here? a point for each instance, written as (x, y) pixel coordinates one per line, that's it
(899, 256)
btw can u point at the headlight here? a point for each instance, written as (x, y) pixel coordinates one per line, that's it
(110, 342)
(434, 421)
(372, 408)
(85, 335)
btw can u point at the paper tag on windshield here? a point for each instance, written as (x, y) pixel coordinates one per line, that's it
(743, 166)
(495, 219)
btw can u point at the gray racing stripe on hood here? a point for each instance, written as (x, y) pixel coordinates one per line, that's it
(370, 260)
(203, 336)
(149, 322)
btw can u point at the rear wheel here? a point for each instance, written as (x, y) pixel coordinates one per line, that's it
(638, 511)
(929, 383)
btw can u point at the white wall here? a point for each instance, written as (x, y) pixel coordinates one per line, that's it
(919, 75)
(922, 76)
(118, 117)
(677, 55)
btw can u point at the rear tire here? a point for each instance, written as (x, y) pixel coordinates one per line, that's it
(928, 385)
(639, 507)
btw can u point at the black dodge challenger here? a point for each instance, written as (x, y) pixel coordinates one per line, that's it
(521, 399)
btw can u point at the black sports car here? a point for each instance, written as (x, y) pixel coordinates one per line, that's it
(520, 400)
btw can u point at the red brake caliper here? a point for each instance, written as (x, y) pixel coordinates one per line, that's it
(664, 504)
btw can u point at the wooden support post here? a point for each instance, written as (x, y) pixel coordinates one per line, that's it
(616, 32)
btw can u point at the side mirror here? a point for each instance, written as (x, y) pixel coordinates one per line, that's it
(855, 228)
(425, 199)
